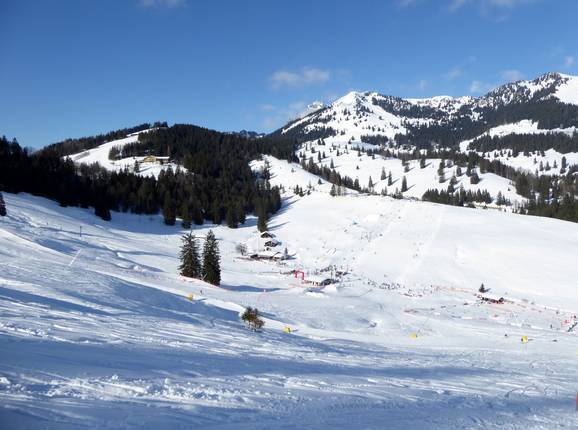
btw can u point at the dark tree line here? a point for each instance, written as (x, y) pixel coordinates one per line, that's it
(526, 143)
(219, 185)
(457, 198)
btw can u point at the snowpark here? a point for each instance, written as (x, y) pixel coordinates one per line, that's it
(99, 331)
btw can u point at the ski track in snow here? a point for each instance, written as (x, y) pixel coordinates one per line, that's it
(111, 341)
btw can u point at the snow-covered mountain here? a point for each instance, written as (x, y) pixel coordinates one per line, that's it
(551, 100)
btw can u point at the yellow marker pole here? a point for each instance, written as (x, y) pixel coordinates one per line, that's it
(287, 329)
(413, 335)
(190, 297)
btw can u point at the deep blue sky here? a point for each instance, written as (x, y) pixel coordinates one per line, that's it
(70, 68)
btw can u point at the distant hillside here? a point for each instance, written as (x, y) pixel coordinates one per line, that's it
(216, 183)
(74, 145)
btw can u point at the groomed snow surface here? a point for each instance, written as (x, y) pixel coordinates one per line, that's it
(96, 331)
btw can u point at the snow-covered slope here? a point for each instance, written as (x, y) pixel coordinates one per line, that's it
(97, 331)
(531, 161)
(100, 155)
(348, 161)
(568, 92)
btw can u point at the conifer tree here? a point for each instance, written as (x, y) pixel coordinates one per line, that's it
(262, 215)
(186, 217)
(441, 171)
(211, 270)
(169, 210)
(190, 262)
(2, 206)
(231, 217)
(403, 185)
(101, 209)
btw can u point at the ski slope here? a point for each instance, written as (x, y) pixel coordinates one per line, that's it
(96, 330)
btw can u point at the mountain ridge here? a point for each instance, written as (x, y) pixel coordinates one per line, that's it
(551, 99)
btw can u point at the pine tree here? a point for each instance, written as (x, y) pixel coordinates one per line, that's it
(422, 163)
(441, 174)
(101, 209)
(211, 260)
(231, 217)
(389, 180)
(190, 262)
(403, 185)
(383, 174)
(169, 210)
(2, 206)
(186, 217)
(262, 216)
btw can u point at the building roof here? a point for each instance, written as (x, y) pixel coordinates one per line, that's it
(317, 279)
